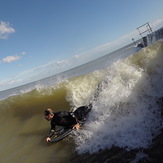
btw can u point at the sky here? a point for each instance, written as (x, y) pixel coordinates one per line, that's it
(36, 35)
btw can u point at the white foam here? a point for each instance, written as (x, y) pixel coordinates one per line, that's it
(81, 89)
(125, 113)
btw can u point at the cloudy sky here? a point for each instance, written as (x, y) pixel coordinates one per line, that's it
(37, 33)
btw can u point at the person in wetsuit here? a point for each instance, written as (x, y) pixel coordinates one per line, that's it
(66, 119)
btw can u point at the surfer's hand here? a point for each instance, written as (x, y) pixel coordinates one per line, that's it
(48, 139)
(77, 126)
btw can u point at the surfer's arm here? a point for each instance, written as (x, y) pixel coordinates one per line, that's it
(51, 132)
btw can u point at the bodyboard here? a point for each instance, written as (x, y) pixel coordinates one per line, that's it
(61, 134)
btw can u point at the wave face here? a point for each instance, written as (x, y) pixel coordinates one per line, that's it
(125, 113)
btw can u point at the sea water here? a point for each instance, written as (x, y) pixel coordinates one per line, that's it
(125, 111)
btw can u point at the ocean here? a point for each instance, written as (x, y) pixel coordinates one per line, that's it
(125, 114)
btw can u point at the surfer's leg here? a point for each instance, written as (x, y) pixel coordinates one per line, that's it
(82, 112)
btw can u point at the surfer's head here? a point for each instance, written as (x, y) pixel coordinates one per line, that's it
(48, 114)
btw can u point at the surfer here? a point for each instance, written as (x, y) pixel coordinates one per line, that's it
(66, 119)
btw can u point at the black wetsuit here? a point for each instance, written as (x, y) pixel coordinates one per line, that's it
(69, 119)
(63, 118)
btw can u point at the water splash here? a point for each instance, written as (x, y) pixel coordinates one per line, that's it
(126, 113)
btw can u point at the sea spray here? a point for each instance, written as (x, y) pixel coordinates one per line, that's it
(126, 113)
(80, 90)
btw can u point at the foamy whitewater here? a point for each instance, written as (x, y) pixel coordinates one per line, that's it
(126, 114)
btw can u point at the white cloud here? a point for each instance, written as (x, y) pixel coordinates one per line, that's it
(5, 30)
(23, 53)
(10, 59)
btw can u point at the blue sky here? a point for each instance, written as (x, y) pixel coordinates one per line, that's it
(36, 34)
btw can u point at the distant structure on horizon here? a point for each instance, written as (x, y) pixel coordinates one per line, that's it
(144, 29)
(148, 36)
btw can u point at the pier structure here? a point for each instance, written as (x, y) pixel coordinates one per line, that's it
(143, 29)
